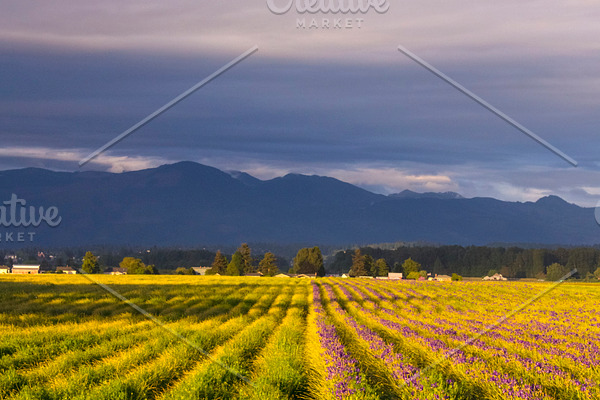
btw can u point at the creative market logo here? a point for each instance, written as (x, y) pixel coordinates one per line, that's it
(326, 7)
(15, 213)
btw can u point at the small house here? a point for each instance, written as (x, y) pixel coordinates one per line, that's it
(26, 269)
(254, 274)
(282, 276)
(4, 269)
(66, 270)
(394, 276)
(495, 277)
(116, 271)
(442, 278)
(305, 276)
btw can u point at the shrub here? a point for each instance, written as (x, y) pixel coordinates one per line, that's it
(413, 275)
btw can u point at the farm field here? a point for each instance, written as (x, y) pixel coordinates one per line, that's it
(64, 337)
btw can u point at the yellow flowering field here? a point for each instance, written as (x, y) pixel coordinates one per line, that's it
(196, 337)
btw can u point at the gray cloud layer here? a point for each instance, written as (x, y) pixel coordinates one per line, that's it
(347, 104)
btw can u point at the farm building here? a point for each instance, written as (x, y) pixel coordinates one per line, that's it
(4, 269)
(116, 271)
(255, 274)
(442, 278)
(66, 270)
(200, 270)
(303, 275)
(26, 269)
(282, 276)
(394, 275)
(495, 277)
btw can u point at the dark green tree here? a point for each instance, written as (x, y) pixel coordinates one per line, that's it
(268, 265)
(248, 262)
(184, 271)
(236, 266)
(90, 263)
(597, 273)
(456, 277)
(370, 266)
(538, 261)
(219, 265)
(309, 261)
(438, 266)
(583, 259)
(359, 267)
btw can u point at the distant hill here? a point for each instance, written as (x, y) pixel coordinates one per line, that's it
(409, 194)
(193, 204)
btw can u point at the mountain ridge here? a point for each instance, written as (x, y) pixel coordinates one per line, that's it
(192, 204)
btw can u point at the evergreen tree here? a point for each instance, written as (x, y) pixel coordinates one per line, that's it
(246, 253)
(582, 259)
(358, 264)
(219, 265)
(370, 265)
(268, 265)
(90, 264)
(236, 265)
(538, 258)
(438, 266)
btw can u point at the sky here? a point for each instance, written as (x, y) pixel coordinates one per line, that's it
(314, 100)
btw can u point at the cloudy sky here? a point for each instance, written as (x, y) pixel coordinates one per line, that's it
(337, 102)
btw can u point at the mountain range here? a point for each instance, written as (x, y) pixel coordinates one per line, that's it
(190, 204)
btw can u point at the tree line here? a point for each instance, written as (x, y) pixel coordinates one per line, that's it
(133, 266)
(478, 261)
(307, 261)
